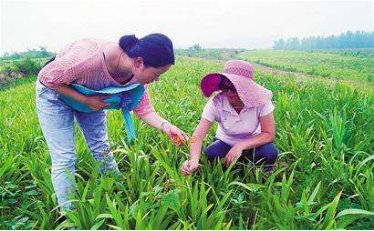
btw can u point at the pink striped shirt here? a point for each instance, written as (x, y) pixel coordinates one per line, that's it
(83, 62)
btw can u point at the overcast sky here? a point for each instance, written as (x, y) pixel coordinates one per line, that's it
(231, 23)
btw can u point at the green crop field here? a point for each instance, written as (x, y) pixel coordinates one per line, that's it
(324, 133)
(335, 64)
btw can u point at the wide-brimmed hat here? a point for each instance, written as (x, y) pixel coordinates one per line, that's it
(240, 73)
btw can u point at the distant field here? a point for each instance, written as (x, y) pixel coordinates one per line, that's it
(335, 64)
(324, 135)
(6, 62)
(219, 54)
(364, 52)
(14, 69)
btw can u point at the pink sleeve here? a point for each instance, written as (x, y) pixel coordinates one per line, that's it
(68, 66)
(266, 109)
(144, 106)
(210, 111)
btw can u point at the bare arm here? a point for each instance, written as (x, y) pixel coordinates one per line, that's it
(198, 137)
(155, 120)
(267, 135)
(195, 146)
(66, 90)
(94, 102)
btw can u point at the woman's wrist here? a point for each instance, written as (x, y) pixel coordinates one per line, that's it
(193, 162)
(194, 159)
(241, 146)
(85, 100)
(163, 125)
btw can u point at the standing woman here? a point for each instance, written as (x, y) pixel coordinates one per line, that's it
(96, 64)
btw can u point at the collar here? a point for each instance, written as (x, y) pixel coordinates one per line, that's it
(226, 106)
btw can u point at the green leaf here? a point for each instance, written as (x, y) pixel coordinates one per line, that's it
(250, 187)
(355, 212)
(97, 225)
(171, 200)
(104, 215)
(314, 194)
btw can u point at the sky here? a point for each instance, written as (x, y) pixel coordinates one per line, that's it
(212, 24)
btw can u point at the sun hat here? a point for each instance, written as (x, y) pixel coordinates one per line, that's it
(240, 73)
(125, 97)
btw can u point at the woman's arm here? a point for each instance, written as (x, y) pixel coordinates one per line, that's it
(94, 102)
(195, 146)
(198, 137)
(72, 63)
(267, 135)
(146, 112)
(174, 133)
(69, 66)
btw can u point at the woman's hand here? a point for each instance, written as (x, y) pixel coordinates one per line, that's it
(189, 166)
(175, 134)
(234, 153)
(96, 102)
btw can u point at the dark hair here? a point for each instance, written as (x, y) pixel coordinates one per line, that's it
(224, 87)
(156, 50)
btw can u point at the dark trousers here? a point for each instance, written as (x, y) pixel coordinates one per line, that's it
(265, 154)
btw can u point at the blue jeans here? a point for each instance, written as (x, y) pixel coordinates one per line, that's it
(57, 123)
(265, 154)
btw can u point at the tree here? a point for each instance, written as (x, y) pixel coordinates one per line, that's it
(196, 47)
(359, 39)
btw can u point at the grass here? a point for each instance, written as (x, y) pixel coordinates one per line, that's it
(334, 65)
(323, 133)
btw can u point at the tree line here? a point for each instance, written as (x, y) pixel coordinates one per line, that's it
(30, 53)
(349, 39)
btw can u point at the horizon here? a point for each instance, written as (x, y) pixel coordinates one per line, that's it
(235, 24)
(232, 48)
